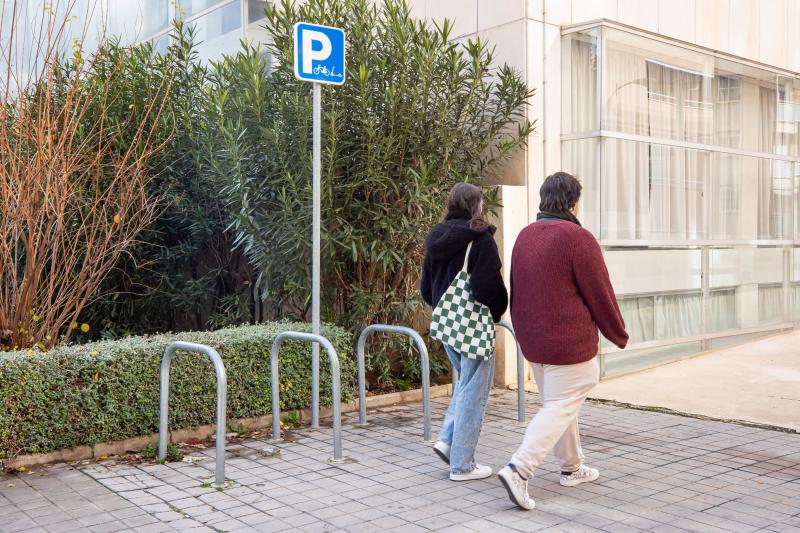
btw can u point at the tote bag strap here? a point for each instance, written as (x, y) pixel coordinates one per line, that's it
(466, 257)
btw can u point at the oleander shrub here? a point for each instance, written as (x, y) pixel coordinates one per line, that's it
(418, 113)
(109, 390)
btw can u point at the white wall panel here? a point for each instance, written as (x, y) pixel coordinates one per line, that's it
(793, 36)
(492, 13)
(558, 12)
(676, 18)
(744, 29)
(639, 13)
(585, 10)
(463, 13)
(712, 23)
(772, 31)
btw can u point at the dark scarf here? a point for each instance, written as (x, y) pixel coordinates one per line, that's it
(568, 216)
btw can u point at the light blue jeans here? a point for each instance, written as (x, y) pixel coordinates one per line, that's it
(462, 422)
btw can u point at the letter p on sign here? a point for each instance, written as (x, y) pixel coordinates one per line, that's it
(319, 53)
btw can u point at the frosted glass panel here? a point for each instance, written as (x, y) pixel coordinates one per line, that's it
(631, 360)
(735, 266)
(647, 271)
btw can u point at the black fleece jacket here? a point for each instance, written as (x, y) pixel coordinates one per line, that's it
(445, 248)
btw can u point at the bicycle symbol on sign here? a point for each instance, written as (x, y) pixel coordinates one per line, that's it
(325, 71)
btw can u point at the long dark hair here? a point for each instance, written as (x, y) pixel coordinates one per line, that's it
(467, 199)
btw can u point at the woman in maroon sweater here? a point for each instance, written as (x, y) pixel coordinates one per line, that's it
(560, 296)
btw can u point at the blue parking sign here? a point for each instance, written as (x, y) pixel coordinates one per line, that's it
(319, 53)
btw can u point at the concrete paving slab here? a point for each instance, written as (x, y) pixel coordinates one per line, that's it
(659, 472)
(755, 382)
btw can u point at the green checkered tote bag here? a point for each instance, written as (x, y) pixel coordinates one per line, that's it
(462, 323)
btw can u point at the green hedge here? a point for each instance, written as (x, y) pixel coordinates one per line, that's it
(103, 391)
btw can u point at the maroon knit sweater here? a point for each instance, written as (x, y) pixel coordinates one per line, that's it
(561, 295)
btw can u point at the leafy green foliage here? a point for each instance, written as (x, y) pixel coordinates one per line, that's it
(417, 114)
(109, 390)
(184, 274)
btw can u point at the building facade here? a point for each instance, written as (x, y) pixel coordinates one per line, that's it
(681, 118)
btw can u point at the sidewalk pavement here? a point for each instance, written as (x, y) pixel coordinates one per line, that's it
(659, 473)
(757, 382)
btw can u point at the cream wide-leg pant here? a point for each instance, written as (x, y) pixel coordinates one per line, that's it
(563, 389)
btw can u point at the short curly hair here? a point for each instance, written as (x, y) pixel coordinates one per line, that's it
(559, 193)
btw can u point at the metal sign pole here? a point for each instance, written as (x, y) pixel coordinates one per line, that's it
(315, 262)
(319, 57)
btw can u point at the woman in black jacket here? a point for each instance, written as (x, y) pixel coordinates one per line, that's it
(445, 249)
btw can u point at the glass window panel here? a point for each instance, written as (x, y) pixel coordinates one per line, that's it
(775, 199)
(728, 111)
(579, 82)
(192, 7)
(219, 32)
(256, 10)
(652, 191)
(138, 19)
(752, 198)
(726, 201)
(656, 89)
(747, 284)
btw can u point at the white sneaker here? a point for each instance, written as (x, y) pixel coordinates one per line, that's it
(517, 488)
(582, 475)
(442, 450)
(480, 472)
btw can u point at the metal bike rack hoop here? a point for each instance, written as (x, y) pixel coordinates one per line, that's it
(424, 362)
(335, 385)
(520, 372)
(222, 394)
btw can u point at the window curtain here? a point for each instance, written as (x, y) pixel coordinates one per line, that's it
(726, 175)
(766, 141)
(770, 303)
(678, 315)
(625, 187)
(722, 310)
(583, 86)
(655, 191)
(667, 316)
